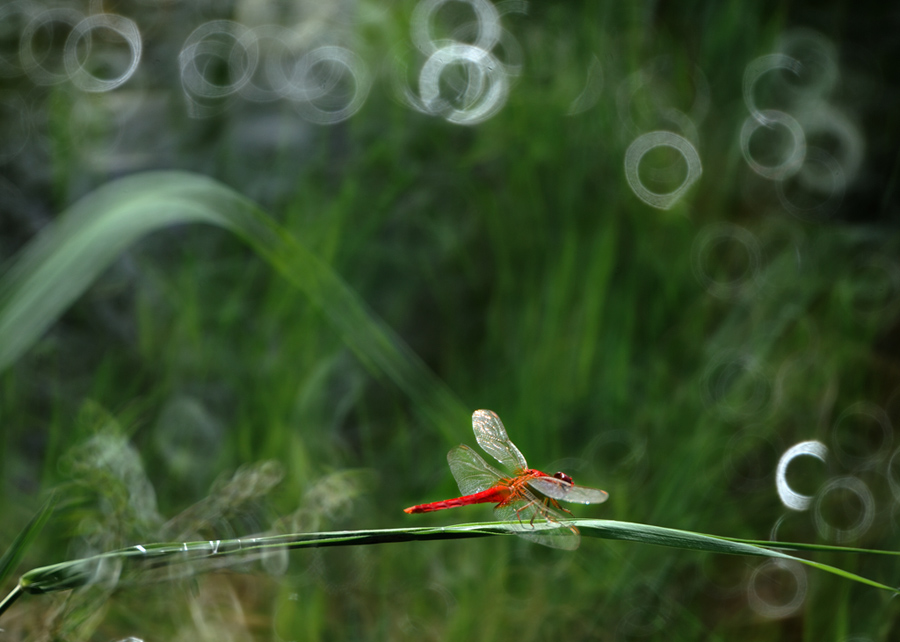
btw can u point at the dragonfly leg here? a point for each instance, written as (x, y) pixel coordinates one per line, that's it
(550, 502)
(534, 516)
(519, 513)
(547, 502)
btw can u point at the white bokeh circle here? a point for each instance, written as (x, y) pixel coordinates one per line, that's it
(862, 523)
(817, 57)
(752, 73)
(80, 76)
(783, 609)
(794, 161)
(651, 140)
(789, 497)
(485, 93)
(202, 42)
(345, 58)
(36, 69)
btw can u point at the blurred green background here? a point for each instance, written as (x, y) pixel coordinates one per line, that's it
(669, 356)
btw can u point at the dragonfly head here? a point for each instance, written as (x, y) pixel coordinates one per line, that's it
(564, 477)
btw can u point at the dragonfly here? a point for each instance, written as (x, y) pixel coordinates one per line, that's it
(522, 497)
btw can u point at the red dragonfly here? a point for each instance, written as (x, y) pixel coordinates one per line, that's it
(523, 497)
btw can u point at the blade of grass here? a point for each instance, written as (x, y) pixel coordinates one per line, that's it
(66, 258)
(23, 541)
(661, 536)
(76, 573)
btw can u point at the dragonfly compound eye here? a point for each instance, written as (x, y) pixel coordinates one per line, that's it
(564, 477)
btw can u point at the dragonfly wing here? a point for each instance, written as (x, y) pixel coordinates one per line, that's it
(564, 536)
(472, 473)
(562, 490)
(491, 436)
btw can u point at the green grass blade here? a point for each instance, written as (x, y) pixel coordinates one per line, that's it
(59, 265)
(23, 541)
(10, 599)
(136, 559)
(661, 536)
(800, 546)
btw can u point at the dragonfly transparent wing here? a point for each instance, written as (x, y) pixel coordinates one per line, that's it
(472, 473)
(561, 535)
(491, 436)
(563, 490)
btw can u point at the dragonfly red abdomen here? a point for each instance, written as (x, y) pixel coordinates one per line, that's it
(494, 495)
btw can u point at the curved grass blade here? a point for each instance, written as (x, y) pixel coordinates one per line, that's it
(60, 264)
(137, 561)
(647, 534)
(23, 541)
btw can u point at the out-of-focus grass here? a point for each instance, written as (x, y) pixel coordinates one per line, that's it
(515, 260)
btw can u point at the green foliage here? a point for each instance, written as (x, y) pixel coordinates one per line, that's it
(524, 276)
